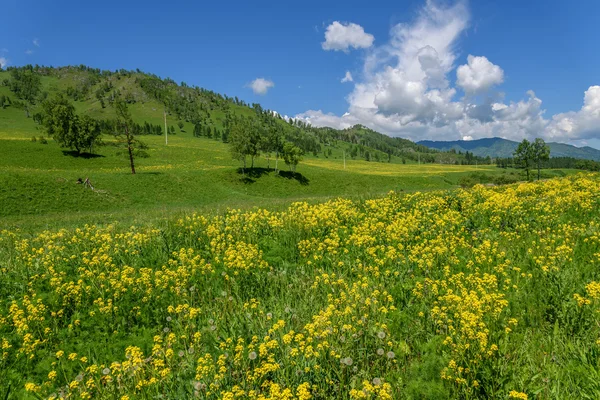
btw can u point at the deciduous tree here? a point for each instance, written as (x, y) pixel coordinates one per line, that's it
(540, 153)
(523, 155)
(125, 134)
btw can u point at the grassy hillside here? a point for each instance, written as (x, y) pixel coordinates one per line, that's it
(38, 181)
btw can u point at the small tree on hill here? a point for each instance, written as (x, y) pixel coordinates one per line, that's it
(540, 152)
(523, 155)
(69, 130)
(271, 142)
(292, 155)
(197, 129)
(125, 135)
(26, 84)
(244, 141)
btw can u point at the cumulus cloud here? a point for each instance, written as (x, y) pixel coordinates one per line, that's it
(260, 86)
(582, 124)
(340, 36)
(29, 52)
(405, 89)
(478, 75)
(347, 77)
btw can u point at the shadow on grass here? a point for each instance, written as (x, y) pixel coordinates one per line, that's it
(250, 175)
(295, 175)
(75, 154)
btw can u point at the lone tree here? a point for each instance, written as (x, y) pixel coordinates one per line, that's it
(125, 135)
(26, 84)
(69, 130)
(524, 155)
(540, 152)
(272, 142)
(292, 155)
(244, 141)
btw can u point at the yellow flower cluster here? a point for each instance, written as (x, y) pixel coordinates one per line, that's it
(341, 299)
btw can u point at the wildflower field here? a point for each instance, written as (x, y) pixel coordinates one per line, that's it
(492, 292)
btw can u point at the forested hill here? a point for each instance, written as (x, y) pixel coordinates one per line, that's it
(503, 148)
(93, 92)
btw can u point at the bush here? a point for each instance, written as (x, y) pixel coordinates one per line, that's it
(43, 140)
(467, 182)
(33, 139)
(505, 179)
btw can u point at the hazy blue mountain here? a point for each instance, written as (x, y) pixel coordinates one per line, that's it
(498, 147)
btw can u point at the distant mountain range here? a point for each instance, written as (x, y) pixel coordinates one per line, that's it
(498, 147)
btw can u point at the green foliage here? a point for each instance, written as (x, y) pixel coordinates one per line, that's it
(26, 84)
(540, 153)
(125, 134)
(244, 141)
(292, 155)
(69, 130)
(523, 156)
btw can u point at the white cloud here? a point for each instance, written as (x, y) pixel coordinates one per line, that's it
(582, 124)
(340, 36)
(29, 52)
(260, 85)
(36, 42)
(405, 90)
(347, 77)
(478, 75)
(3, 62)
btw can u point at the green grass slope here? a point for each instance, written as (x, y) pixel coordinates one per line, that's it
(38, 181)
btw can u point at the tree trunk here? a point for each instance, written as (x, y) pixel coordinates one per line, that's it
(276, 161)
(252, 164)
(130, 150)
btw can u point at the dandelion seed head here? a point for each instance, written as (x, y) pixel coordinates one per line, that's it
(252, 355)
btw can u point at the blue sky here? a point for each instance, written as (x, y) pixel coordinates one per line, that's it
(532, 62)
